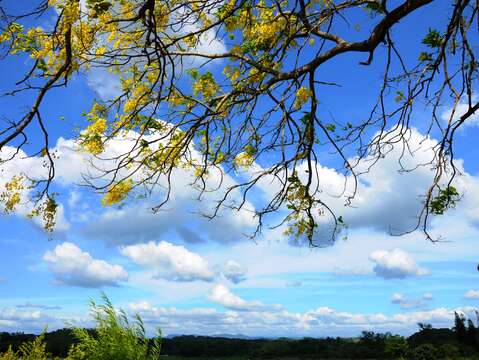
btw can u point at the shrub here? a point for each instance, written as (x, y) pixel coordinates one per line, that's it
(425, 352)
(396, 347)
(9, 355)
(113, 338)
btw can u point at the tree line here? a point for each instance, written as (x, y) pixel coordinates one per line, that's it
(459, 342)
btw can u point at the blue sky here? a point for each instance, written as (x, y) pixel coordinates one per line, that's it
(186, 274)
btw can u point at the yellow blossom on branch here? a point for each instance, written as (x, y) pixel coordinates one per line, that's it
(117, 193)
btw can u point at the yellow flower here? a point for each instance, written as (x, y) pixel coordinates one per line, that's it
(302, 96)
(98, 127)
(117, 193)
(206, 85)
(11, 197)
(100, 51)
(243, 160)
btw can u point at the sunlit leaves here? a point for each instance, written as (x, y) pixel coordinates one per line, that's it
(117, 193)
(115, 336)
(11, 196)
(433, 39)
(205, 85)
(302, 96)
(300, 220)
(445, 199)
(224, 85)
(91, 138)
(98, 7)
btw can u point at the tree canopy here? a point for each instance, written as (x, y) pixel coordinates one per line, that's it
(222, 86)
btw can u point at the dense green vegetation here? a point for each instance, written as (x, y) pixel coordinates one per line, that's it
(116, 337)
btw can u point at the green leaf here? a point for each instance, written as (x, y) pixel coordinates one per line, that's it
(194, 73)
(425, 56)
(433, 39)
(330, 127)
(445, 199)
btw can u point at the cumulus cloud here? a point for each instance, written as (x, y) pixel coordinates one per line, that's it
(387, 199)
(380, 190)
(322, 321)
(72, 266)
(395, 264)
(267, 322)
(171, 262)
(15, 319)
(134, 222)
(220, 294)
(34, 320)
(234, 272)
(397, 298)
(472, 294)
(405, 303)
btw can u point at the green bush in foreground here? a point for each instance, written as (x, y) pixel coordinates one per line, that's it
(113, 338)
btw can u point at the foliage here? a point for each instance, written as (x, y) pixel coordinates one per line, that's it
(31, 350)
(433, 39)
(397, 347)
(263, 94)
(368, 346)
(425, 352)
(114, 337)
(446, 198)
(9, 354)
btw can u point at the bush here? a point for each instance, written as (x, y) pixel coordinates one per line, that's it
(113, 338)
(396, 347)
(426, 352)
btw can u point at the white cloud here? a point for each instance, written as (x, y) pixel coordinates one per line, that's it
(405, 303)
(461, 108)
(73, 198)
(323, 321)
(135, 222)
(427, 296)
(106, 84)
(72, 266)
(472, 294)
(220, 294)
(170, 261)
(388, 197)
(397, 298)
(395, 263)
(382, 204)
(234, 272)
(35, 320)
(12, 319)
